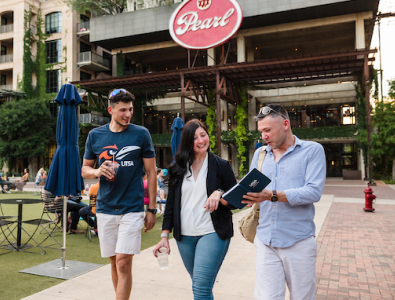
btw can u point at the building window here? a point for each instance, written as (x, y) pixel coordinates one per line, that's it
(84, 18)
(53, 50)
(348, 115)
(3, 50)
(54, 108)
(53, 23)
(49, 153)
(85, 76)
(3, 21)
(54, 81)
(3, 80)
(85, 47)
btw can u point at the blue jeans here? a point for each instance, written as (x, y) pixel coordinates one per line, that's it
(202, 257)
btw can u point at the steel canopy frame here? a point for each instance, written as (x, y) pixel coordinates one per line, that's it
(341, 64)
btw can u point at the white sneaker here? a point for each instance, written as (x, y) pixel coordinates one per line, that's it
(7, 192)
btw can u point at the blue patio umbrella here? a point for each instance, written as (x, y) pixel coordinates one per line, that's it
(64, 177)
(177, 126)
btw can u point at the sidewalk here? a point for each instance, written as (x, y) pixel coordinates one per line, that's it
(356, 257)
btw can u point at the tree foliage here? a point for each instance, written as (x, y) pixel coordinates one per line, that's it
(107, 6)
(25, 128)
(28, 64)
(41, 63)
(391, 92)
(383, 141)
(242, 130)
(211, 121)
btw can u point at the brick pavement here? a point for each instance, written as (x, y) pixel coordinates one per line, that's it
(382, 192)
(356, 253)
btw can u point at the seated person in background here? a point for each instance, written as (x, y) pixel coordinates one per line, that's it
(160, 199)
(41, 177)
(74, 208)
(71, 208)
(159, 175)
(3, 182)
(88, 213)
(19, 184)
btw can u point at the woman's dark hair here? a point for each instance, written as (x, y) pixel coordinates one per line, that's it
(158, 171)
(27, 170)
(185, 154)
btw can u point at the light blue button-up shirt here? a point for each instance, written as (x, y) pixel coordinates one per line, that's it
(300, 173)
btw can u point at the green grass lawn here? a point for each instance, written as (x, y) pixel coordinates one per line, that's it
(15, 285)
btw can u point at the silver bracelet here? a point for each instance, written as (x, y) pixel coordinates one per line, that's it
(166, 235)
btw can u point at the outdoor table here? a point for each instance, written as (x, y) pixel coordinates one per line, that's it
(20, 203)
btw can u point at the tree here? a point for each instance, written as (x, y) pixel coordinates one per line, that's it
(383, 142)
(391, 92)
(211, 120)
(242, 130)
(107, 6)
(25, 128)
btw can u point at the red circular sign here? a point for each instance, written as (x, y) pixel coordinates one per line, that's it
(204, 24)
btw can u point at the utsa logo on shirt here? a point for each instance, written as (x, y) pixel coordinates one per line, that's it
(111, 152)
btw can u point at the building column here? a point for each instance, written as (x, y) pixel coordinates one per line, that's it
(359, 32)
(241, 49)
(211, 57)
(361, 163)
(250, 55)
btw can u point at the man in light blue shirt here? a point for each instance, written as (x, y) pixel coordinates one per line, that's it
(285, 243)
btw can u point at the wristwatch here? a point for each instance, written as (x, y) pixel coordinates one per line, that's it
(274, 197)
(152, 211)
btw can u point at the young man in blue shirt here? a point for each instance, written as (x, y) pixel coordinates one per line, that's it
(120, 199)
(285, 243)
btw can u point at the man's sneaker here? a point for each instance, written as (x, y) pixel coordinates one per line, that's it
(7, 192)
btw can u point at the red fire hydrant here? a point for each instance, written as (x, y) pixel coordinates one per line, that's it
(369, 197)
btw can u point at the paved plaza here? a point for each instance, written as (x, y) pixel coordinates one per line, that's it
(356, 257)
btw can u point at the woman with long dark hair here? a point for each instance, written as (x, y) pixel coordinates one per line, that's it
(200, 219)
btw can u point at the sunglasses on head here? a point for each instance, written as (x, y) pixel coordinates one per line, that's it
(267, 110)
(116, 92)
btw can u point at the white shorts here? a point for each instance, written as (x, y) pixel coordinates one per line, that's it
(294, 266)
(120, 233)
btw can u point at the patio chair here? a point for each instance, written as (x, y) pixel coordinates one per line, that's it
(51, 216)
(6, 229)
(37, 189)
(92, 205)
(4, 217)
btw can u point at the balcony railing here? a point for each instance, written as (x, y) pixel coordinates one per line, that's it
(93, 58)
(6, 87)
(6, 58)
(83, 26)
(6, 28)
(93, 119)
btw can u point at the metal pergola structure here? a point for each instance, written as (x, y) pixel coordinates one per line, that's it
(225, 77)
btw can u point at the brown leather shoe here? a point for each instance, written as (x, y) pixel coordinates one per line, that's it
(76, 231)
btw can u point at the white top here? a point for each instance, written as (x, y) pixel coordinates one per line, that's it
(195, 220)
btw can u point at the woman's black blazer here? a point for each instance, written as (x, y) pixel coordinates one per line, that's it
(219, 176)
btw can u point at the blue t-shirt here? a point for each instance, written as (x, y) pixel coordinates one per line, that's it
(126, 193)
